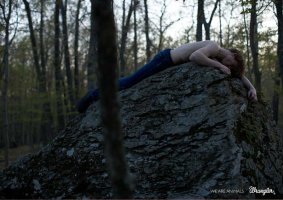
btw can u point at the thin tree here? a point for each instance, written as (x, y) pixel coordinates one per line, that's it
(136, 2)
(208, 24)
(124, 36)
(67, 59)
(200, 20)
(220, 24)
(107, 71)
(43, 58)
(47, 132)
(76, 50)
(275, 98)
(6, 8)
(254, 44)
(279, 16)
(146, 30)
(57, 67)
(162, 27)
(247, 40)
(40, 68)
(34, 44)
(92, 53)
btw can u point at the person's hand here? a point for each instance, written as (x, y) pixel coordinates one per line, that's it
(225, 69)
(252, 94)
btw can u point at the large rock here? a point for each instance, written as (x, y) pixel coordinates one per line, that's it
(190, 132)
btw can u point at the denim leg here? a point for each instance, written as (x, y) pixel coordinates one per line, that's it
(142, 73)
(160, 62)
(87, 100)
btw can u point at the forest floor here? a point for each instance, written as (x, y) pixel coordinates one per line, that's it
(15, 153)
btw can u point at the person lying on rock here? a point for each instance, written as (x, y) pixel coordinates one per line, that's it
(209, 53)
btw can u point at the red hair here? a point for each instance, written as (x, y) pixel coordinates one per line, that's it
(239, 69)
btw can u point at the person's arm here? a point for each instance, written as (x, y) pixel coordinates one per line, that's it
(252, 91)
(202, 57)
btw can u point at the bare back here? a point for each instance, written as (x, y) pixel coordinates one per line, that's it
(182, 53)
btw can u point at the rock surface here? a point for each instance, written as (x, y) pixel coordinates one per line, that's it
(190, 132)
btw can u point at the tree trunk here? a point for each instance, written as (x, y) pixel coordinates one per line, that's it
(123, 14)
(254, 44)
(208, 24)
(200, 20)
(220, 24)
(279, 12)
(33, 41)
(275, 99)
(42, 51)
(92, 53)
(135, 36)
(247, 42)
(40, 67)
(47, 132)
(76, 51)
(67, 54)
(57, 67)
(161, 30)
(107, 69)
(146, 27)
(163, 26)
(5, 63)
(125, 30)
(122, 63)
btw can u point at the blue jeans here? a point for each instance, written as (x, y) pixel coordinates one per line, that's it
(160, 62)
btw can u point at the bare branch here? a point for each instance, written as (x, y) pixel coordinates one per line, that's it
(263, 7)
(2, 6)
(17, 25)
(213, 11)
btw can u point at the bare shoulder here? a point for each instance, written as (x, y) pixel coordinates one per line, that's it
(211, 43)
(212, 47)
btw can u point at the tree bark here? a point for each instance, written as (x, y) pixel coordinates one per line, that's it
(247, 42)
(40, 66)
(208, 24)
(146, 27)
(47, 132)
(92, 53)
(5, 63)
(163, 27)
(135, 36)
(57, 67)
(220, 24)
(107, 70)
(33, 41)
(275, 98)
(76, 51)
(279, 13)
(123, 43)
(254, 44)
(200, 20)
(42, 51)
(161, 30)
(67, 59)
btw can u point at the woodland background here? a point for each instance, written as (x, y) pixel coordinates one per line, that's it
(48, 59)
